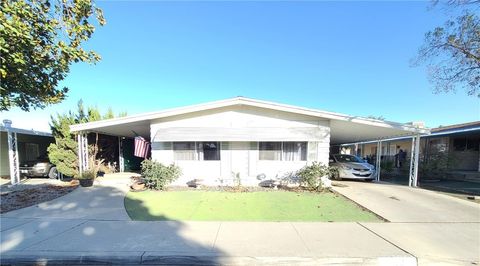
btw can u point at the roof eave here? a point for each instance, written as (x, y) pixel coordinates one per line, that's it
(249, 102)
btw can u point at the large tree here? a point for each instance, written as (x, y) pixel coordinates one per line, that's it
(452, 51)
(39, 40)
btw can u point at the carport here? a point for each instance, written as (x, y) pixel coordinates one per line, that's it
(343, 129)
(19, 145)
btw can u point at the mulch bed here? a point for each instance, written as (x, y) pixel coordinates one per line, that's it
(15, 200)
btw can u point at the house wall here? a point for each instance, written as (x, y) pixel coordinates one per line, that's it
(241, 156)
(4, 167)
(466, 159)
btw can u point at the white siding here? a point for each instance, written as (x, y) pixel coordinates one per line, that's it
(241, 157)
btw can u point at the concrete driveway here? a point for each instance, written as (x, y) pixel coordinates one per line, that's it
(434, 227)
(104, 201)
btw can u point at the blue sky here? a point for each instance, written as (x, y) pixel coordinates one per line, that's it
(347, 57)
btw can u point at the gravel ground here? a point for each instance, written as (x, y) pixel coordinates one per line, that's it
(32, 193)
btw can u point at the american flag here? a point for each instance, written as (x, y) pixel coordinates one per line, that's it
(141, 147)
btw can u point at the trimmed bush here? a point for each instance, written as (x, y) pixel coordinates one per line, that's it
(310, 175)
(157, 175)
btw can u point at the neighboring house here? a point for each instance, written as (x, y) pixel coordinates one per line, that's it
(25, 145)
(251, 138)
(459, 142)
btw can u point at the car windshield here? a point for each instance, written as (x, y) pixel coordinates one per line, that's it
(348, 159)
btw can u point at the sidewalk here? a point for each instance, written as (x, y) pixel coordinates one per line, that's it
(90, 226)
(239, 243)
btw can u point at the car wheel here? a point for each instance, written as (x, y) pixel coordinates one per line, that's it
(53, 173)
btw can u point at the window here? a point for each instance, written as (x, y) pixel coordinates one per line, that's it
(473, 144)
(208, 151)
(283, 151)
(184, 151)
(201, 151)
(438, 145)
(345, 158)
(466, 144)
(31, 151)
(294, 151)
(459, 144)
(270, 151)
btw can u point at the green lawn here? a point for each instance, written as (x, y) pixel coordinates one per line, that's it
(247, 206)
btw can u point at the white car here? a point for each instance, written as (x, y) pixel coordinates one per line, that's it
(352, 167)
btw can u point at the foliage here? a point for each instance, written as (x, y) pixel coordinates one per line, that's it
(380, 117)
(387, 166)
(88, 174)
(452, 52)
(39, 40)
(237, 181)
(436, 164)
(310, 175)
(157, 175)
(106, 169)
(64, 152)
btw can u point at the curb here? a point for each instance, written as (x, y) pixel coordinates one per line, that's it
(150, 258)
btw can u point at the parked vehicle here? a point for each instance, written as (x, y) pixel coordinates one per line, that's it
(352, 167)
(40, 167)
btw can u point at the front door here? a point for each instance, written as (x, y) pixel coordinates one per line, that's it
(240, 159)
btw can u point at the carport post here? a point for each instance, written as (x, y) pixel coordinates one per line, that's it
(413, 177)
(378, 160)
(82, 152)
(121, 161)
(13, 158)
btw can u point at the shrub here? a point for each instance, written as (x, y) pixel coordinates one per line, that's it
(387, 166)
(436, 165)
(237, 181)
(88, 174)
(157, 175)
(310, 175)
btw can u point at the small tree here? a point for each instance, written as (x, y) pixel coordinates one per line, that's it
(64, 152)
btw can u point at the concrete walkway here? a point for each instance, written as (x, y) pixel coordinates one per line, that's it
(434, 227)
(90, 226)
(104, 201)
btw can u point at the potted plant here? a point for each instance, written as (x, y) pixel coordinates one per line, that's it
(87, 177)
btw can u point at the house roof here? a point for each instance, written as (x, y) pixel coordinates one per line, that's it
(127, 126)
(475, 125)
(25, 131)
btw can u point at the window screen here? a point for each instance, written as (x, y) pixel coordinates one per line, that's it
(184, 151)
(270, 151)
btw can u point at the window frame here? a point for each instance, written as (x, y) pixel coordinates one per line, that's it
(282, 151)
(197, 151)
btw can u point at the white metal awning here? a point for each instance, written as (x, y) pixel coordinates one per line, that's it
(240, 134)
(343, 128)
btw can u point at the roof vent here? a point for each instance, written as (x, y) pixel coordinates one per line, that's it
(7, 123)
(418, 124)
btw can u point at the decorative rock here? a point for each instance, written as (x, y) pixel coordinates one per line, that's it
(325, 182)
(137, 186)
